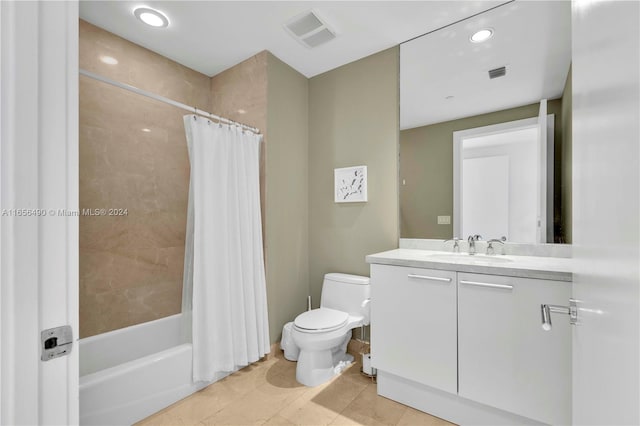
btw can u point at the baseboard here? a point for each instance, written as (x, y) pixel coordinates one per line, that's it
(445, 405)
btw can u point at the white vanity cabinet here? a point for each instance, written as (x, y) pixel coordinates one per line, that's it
(414, 312)
(505, 359)
(469, 347)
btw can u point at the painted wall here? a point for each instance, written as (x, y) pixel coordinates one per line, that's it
(353, 120)
(426, 169)
(131, 265)
(566, 153)
(287, 183)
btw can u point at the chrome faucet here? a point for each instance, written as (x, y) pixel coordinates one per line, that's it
(490, 249)
(456, 246)
(472, 243)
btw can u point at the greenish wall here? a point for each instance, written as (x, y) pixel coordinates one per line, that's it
(566, 185)
(286, 180)
(353, 120)
(426, 169)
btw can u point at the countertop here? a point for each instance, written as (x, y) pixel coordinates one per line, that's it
(546, 268)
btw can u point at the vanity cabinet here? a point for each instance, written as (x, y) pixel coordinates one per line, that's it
(414, 324)
(478, 337)
(505, 359)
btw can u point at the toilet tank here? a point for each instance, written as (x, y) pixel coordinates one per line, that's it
(345, 292)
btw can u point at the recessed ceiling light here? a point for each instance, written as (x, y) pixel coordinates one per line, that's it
(109, 60)
(242, 111)
(151, 17)
(146, 130)
(482, 35)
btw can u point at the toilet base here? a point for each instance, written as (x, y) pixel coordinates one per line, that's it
(319, 366)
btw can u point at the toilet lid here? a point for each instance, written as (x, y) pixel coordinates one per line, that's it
(323, 319)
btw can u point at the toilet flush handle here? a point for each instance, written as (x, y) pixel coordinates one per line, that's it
(366, 311)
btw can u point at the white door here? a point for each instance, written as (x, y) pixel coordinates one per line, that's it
(606, 136)
(39, 186)
(485, 196)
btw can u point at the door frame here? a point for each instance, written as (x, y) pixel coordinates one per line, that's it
(546, 167)
(39, 200)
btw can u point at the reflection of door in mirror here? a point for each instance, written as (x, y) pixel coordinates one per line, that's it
(500, 177)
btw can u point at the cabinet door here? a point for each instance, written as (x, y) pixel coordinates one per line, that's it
(413, 324)
(505, 358)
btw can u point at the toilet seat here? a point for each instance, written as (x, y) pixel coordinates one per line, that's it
(320, 320)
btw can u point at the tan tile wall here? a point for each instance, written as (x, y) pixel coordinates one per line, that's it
(240, 94)
(131, 266)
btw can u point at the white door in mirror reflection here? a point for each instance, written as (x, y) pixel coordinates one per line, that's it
(485, 196)
(500, 180)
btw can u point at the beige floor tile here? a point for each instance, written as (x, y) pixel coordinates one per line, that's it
(247, 379)
(339, 393)
(256, 407)
(192, 410)
(278, 421)
(282, 366)
(303, 411)
(267, 393)
(322, 404)
(369, 405)
(355, 419)
(311, 414)
(412, 417)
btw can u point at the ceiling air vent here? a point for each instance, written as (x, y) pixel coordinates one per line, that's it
(310, 29)
(497, 72)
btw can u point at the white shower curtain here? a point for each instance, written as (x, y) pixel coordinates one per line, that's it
(224, 266)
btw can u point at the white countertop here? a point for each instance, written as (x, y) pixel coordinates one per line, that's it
(548, 268)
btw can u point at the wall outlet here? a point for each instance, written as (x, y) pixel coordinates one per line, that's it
(444, 220)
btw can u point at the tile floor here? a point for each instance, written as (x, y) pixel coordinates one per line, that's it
(267, 393)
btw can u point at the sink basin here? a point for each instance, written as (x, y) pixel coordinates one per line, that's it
(482, 259)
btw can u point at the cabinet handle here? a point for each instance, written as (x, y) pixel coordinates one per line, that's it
(424, 277)
(477, 284)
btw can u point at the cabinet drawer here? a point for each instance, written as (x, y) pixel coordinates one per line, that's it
(413, 324)
(505, 358)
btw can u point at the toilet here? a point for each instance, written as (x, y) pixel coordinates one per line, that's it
(322, 334)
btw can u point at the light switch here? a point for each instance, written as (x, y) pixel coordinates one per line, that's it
(444, 220)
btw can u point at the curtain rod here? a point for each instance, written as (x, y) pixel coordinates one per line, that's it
(164, 100)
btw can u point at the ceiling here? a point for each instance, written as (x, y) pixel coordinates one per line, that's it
(211, 36)
(443, 76)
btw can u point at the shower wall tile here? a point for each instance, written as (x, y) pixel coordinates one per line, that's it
(131, 266)
(240, 94)
(141, 67)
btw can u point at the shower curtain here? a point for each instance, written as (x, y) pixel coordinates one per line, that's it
(224, 279)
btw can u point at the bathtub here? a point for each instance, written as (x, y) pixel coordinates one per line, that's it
(131, 373)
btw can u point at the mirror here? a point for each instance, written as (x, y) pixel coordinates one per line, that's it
(452, 88)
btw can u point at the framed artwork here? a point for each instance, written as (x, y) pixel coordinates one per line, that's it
(350, 184)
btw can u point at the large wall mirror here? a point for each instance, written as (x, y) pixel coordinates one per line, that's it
(485, 139)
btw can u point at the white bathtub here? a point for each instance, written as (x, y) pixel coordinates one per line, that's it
(131, 373)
